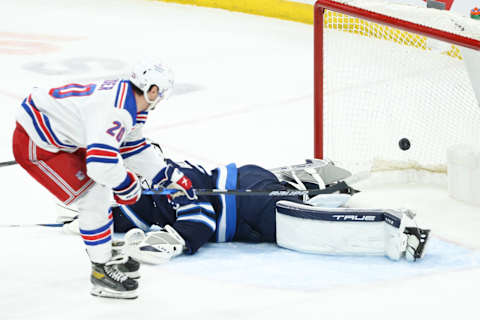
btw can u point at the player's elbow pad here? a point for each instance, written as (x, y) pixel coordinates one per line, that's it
(106, 174)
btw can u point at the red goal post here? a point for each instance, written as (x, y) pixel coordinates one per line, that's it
(414, 29)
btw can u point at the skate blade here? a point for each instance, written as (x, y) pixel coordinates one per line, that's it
(108, 293)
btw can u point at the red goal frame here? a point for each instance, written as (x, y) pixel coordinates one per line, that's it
(332, 5)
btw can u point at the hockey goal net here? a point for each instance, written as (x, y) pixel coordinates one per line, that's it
(391, 84)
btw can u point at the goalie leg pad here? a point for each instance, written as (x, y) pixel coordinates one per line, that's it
(342, 231)
(332, 200)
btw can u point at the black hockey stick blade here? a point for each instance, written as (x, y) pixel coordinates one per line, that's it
(52, 225)
(8, 163)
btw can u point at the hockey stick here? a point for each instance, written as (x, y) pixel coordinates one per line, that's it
(7, 163)
(53, 225)
(341, 186)
(62, 219)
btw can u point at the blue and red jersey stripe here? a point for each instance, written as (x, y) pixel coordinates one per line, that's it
(42, 125)
(121, 97)
(100, 235)
(126, 100)
(131, 148)
(104, 153)
(142, 117)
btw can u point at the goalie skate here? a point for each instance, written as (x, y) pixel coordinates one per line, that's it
(314, 171)
(109, 282)
(416, 242)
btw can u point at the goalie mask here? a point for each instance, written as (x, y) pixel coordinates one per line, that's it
(152, 72)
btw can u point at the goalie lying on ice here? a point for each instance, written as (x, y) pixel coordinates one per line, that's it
(159, 227)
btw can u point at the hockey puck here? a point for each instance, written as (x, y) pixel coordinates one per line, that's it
(404, 144)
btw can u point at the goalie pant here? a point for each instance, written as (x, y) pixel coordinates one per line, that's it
(285, 220)
(219, 218)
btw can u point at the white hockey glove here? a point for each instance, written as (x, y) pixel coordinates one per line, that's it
(154, 247)
(129, 191)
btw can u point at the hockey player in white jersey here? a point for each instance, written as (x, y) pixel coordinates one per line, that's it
(84, 142)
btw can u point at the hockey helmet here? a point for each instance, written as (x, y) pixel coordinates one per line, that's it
(150, 72)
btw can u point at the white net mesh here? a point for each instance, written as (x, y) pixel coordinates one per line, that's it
(441, 20)
(382, 84)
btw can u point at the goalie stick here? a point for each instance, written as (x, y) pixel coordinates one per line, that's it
(341, 187)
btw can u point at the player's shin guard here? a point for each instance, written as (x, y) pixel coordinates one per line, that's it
(96, 223)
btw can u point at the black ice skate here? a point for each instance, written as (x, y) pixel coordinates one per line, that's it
(109, 282)
(416, 242)
(129, 266)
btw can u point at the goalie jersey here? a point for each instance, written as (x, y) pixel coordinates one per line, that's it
(219, 218)
(100, 117)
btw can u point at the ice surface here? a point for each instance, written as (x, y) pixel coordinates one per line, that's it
(244, 94)
(285, 269)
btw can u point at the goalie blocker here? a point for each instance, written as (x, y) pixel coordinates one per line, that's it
(347, 231)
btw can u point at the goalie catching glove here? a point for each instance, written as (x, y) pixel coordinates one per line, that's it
(154, 247)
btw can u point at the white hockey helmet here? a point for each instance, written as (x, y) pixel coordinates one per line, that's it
(150, 72)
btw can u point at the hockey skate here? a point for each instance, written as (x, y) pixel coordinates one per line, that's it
(130, 267)
(416, 243)
(109, 282)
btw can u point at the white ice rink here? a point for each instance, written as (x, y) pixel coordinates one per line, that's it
(244, 93)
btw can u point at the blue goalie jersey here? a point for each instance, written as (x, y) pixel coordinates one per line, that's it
(218, 218)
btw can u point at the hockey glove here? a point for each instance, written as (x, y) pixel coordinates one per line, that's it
(172, 178)
(129, 191)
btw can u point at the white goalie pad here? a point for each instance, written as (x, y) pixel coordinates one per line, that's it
(316, 171)
(340, 231)
(331, 200)
(154, 247)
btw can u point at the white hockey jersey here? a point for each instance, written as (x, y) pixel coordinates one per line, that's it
(100, 117)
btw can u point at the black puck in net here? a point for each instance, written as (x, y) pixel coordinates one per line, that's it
(404, 144)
